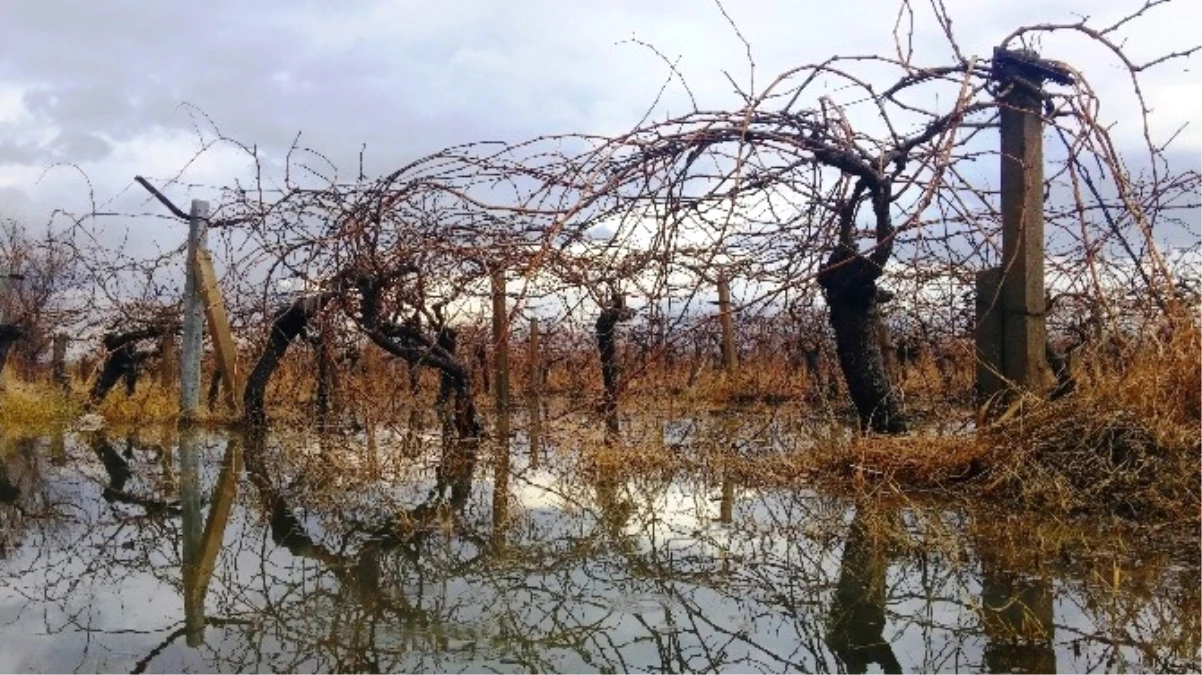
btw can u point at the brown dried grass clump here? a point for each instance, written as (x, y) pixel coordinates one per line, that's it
(34, 405)
(1128, 440)
(918, 462)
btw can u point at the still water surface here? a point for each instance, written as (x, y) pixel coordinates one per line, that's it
(211, 552)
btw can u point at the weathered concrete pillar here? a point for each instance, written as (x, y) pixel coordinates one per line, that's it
(1024, 320)
(194, 318)
(989, 335)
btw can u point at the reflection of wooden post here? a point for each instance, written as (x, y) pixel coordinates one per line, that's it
(1024, 324)
(193, 333)
(219, 326)
(500, 494)
(189, 498)
(58, 362)
(201, 555)
(58, 446)
(500, 340)
(534, 431)
(726, 508)
(728, 328)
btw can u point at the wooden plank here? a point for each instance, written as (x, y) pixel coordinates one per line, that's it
(219, 328)
(500, 337)
(58, 362)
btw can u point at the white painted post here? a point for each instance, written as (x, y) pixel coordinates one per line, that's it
(193, 338)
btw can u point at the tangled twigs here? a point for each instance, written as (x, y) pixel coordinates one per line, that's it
(844, 178)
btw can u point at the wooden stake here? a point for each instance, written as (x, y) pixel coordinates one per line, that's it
(219, 327)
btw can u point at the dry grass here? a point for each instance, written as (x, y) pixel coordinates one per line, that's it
(41, 404)
(1126, 442)
(34, 405)
(1128, 439)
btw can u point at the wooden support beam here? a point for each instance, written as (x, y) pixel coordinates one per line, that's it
(729, 356)
(58, 361)
(500, 340)
(219, 328)
(168, 360)
(534, 370)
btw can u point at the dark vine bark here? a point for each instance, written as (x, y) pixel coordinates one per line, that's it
(9, 334)
(124, 360)
(849, 281)
(448, 339)
(407, 342)
(288, 324)
(606, 329)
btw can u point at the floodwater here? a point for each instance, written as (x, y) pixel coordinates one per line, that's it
(212, 552)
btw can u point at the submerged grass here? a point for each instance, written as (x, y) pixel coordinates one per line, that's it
(41, 404)
(1126, 441)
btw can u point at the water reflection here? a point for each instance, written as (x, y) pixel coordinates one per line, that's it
(257, 553)
(857, 614)
(201, 546)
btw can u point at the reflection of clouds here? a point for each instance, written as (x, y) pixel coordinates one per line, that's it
(632, 576)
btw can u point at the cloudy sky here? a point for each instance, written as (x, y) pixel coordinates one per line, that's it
(114, 87)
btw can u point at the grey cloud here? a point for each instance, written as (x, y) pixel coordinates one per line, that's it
(20, 152)
(404, 78)
(70, 146)
(81, 147)
(397, 83)
(13, 202)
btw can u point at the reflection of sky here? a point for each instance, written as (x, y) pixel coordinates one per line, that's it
(630, 583)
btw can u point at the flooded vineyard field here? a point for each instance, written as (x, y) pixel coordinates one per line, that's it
(167, 550)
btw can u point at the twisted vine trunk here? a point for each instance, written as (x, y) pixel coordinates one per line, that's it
(286, 327)
(9, 334)
(606, 329)
(408, 342)
(123, 361)
(849, 281)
